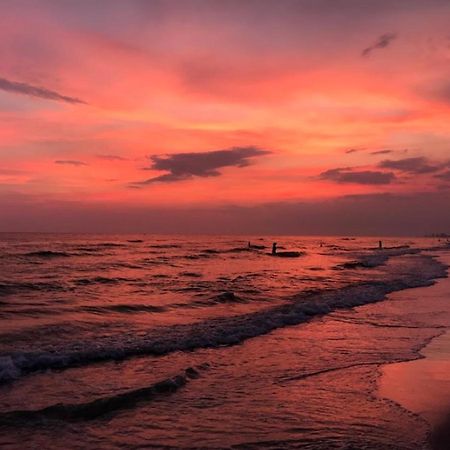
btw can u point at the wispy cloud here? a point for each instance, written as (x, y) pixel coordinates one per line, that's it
(353, 150)
(382, 152)
(444, 176)
(112, 157)
(182, 166)
(347, 175)
(417, 165)
(70, 162)
(382, 42)
(36, 91)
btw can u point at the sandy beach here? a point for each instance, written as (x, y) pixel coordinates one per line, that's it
(422, 386)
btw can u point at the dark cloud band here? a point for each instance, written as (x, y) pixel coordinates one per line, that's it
(35, 91)
(416, 165)
(368, 177)
(182, 166)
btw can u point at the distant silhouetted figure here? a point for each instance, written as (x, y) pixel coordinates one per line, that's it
(249, 244)
(380, 244)
(274, 248)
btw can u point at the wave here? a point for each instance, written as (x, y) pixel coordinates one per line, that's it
(124, 308)
(30, 311)
(242, 249)
(252, 248)
(288, 254)
(101, 280)
(158, 261)
(165, 246)
(125, 265)
(198, 256)
(219, 299)
(78, 251)
(416, 270)
(108, 244)
(210, 252)
(190, 274)
(335, 369)
(48, 254)
(96, 247)
(8, 288)
(103, 405)
(378, 258)
(227, 297)
(88, 249)
(133, 308)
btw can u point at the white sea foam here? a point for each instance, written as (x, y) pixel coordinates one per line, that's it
(418, 270)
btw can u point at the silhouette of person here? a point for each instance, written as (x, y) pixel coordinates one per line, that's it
(274, 248)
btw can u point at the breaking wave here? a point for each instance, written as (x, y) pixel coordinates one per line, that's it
(377, 258)
(104, 405)
(417, 270)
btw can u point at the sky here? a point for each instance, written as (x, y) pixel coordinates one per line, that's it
(225, 116)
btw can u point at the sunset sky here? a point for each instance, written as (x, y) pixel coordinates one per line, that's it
(286, 116)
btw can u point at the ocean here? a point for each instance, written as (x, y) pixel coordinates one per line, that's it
(144, 341)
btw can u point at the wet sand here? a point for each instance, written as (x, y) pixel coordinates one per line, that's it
(422, 386)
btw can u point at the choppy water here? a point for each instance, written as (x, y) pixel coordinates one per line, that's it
(136, 341)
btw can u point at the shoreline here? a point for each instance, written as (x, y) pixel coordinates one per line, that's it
(421, 386)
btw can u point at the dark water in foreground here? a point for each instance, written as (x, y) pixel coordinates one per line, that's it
(140, 341)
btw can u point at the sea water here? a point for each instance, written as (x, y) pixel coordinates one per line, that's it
(113, 341)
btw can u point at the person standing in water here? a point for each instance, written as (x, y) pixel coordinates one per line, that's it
(274, 248)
